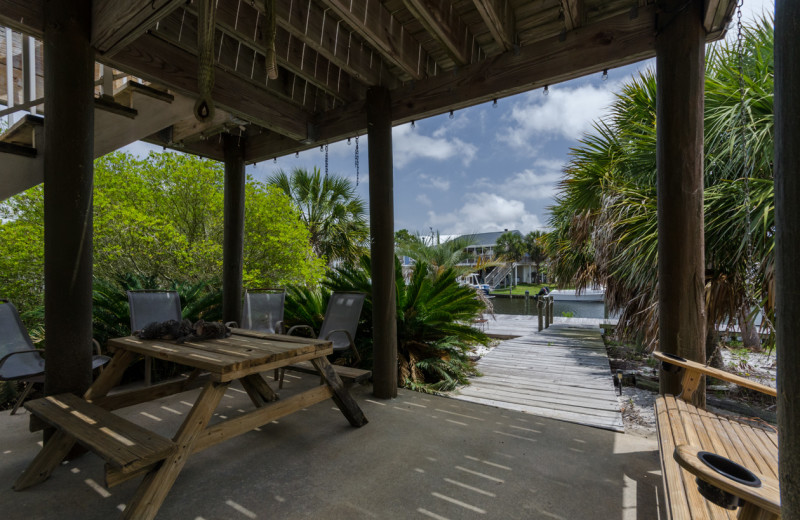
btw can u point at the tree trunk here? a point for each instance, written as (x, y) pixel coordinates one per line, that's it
(750, 337)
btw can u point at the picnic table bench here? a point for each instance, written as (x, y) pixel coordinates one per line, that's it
(701, 451)
(133, 451)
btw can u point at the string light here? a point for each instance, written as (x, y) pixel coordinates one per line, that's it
(275, 160)
(451, 114)
(348, 141)
(604, 77)
(413, 125)
(296, 155)
(494, 103)
(546, 90)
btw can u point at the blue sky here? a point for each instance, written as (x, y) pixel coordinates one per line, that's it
(488, 168)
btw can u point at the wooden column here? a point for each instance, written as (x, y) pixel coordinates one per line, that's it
(787, 248)
(381, 221)
(68, 180)
(680, 51)
(233, 237)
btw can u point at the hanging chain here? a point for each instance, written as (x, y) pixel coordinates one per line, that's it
(356, 160)
(750, 267)
(326, 160)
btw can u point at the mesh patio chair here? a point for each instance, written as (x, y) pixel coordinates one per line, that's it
(263, 310)
(151, 306)
(19, 359)
(339, 325)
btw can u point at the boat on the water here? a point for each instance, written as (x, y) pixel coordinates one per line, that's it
(587, 295)
(472, 280)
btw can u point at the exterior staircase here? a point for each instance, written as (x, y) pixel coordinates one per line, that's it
(126, 111)
(498, 275)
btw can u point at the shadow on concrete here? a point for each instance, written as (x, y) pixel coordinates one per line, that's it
(420, 456)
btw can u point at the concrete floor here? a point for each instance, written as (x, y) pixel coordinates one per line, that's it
(419, 457)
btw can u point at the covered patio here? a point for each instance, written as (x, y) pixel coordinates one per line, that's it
(272, 78)
(421, 456)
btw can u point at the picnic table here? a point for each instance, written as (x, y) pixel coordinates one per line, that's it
(131, 451)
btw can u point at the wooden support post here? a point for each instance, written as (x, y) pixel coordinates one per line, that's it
(381, 220)
(157, 483)
(341, 396)
(546, 313)
(787, 248)
(540, 304)
(680, 50)
(233, 237)
(68, 178)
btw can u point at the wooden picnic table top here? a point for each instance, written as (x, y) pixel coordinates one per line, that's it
(244, 352)
(132, 451)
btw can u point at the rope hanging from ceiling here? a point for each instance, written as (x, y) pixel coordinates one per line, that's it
(204, 107)
(269, 52)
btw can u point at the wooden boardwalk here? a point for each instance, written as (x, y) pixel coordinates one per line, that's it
(561, 372)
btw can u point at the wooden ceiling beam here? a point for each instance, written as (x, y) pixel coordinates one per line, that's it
(717, 15)
(443, 23)
(25, 16)
(208, 148)
(180, 29)
(244, 23)
(304, 20)
(613, 42)
(173, 67)
(574, 13)
(115, 24)
(379, 28)
(499, 18)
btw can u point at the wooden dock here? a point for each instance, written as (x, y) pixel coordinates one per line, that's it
(561, 372)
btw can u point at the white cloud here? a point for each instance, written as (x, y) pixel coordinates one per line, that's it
(532, 184)
(439, 183)
(566, 112)
(424, 200)
(459, 122)
(486, 212)
(411, 144)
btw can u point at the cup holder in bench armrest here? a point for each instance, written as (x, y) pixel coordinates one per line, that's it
(666, 366)
(729, 469)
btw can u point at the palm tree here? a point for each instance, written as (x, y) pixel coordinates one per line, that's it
(439, 255)
(334, 215)
(510, 246)
(605, 222)
(535, 248)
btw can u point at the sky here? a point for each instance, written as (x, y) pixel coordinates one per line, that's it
(488, 168)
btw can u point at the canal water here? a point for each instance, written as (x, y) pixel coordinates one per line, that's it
(560, 308)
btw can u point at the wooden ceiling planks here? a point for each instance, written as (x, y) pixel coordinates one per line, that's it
(433, 55)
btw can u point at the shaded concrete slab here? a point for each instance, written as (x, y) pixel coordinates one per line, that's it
(420, 456)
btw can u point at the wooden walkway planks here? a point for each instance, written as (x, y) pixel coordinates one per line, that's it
(561, 372)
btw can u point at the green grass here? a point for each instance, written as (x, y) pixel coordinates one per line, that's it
(520, 289)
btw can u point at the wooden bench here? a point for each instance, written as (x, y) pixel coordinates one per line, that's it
(124, 446)
(348, 375)
(684, 431)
